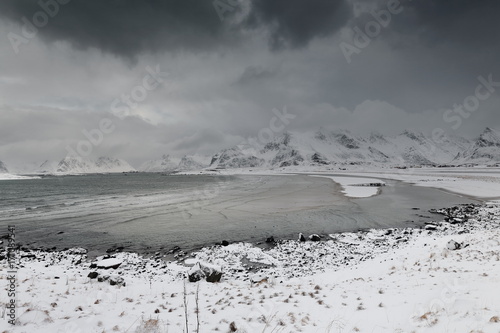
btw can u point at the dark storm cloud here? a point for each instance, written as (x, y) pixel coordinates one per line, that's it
(126, 27)
(294, 23)
(466, 22)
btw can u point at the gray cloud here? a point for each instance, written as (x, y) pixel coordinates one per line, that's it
(295, 23)
(127, 28)
(227, 76)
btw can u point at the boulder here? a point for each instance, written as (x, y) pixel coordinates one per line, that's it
(452, 245)
(195, 274)
(210, 273)
(270, 239)
(314, 238)
(109, 263)
(302, 238)
(93, 275)
(103, 278)
(116, 281)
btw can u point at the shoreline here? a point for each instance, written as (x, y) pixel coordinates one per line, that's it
(58, 294)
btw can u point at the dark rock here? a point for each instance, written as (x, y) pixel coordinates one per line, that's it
(174, 249)
(93, 265)
(196, 275)
(116, 281)
(452, 245)
(93, 275)
(270, 240)
(315, 238)
(204, 271)
(60, 232)
(103, 278)
(224, 243)
(302, 238)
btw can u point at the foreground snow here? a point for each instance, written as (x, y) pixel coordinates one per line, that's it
(396, 280)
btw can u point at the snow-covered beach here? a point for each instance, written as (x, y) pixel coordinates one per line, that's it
(378, 280)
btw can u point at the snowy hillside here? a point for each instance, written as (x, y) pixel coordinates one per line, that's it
(486, 149)
(78, 165)
(163, 164)
(325, 147)
(3, 168)
(168, 164)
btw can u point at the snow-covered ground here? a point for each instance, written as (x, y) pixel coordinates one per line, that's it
(394, 280)
(476, 182)
(8, 176)
(354, 187)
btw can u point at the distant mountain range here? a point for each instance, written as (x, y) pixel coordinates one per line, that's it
(169, 164)
(325, 147)
(319, 148)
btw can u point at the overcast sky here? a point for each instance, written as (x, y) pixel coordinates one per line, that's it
(226, 64)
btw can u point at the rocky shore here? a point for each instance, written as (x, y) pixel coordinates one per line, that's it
(286, 259)
(435, 278)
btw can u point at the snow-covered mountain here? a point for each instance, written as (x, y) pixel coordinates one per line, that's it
(3, 168)
(78, 165)
(189, 163)
(108, 164)
(163, 164)
(168, 164)
(486, 149)
(47, 167)
(325, 147)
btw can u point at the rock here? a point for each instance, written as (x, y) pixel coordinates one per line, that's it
(258, 279)
(93, 275)
(224, 243)
(103, 278)
(431, 227)
(302, 238)
(109, 263)
(174, 249)
(116, 281)
(452, 245)
(76, 250)
(270, 239)
(314, 238)
(94, 265)
(195, 274)
(210, 273)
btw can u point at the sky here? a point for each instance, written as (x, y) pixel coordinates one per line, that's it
(139, 79)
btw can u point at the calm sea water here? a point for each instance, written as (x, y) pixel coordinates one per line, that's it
(153, 212)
